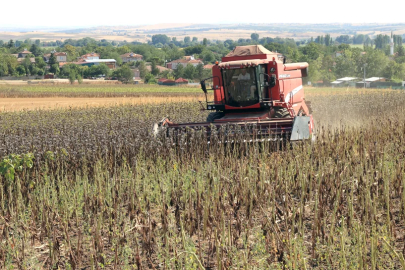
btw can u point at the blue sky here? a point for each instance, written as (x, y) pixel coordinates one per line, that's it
(74, 13)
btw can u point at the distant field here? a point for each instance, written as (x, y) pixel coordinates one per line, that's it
(116, 90)
(143, 33)
(19, 97)
(123, 90)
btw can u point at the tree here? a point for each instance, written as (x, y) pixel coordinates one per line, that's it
(328, 40)
(179, 71)
(205, 42)
(71, 51)
(54, 69)
(123, 49)
(343, 47)
(142, 69)
(10, 44)
(195, 40)
(124, 73)
(189, 71)
(344, 39)
(21, 70)
(154, 69)
(38, 42)
(40, 62)
(254, 36)
(72, 77)
(376, 62)
(53, 64)
(52, 60)
(394, 71)
(314, 73)
(197, 49)
(312, 51)
(199, 71)
(345, 65)
(401, 50)
(160, 38)
(8, 64)
(207, 56)
(150, 79)
(187, 40)
(40, 72)
(166, 74)
(381, 41)
(79, 78)
(26, 64)
(35, 50)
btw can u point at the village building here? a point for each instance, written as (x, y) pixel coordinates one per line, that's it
(184, 62)
(111, 63)
(161, 69)
(343, 82)
(370, 82)
(89, 56)
(32, 60)
(61, 57)
(208, 66)
(24, 53)
(131, 57)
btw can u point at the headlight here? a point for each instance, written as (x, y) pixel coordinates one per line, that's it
(209, 107)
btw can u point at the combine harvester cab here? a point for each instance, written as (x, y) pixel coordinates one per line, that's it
(255, 90)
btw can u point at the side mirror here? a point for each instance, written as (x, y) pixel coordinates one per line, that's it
(272, 81)
(203, 87)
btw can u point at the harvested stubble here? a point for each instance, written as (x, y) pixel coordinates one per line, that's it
(109, 196)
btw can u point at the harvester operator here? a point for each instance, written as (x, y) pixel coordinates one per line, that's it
(244, 76)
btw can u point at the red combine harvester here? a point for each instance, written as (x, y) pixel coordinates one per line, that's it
(256, 91)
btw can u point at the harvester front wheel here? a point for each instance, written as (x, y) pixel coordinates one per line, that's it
(282, 113)
(213, 116)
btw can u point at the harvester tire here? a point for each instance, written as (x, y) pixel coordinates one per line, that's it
(213, 116)
(282, 113)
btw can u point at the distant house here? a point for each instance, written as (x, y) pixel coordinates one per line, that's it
(32, 60)
(89, 56)
(111, 63)
(339, 53)
(131, 57)
(161, 69)
(370, 82)
(184, 62)
(209, 66)
(164, 81)
(24, 53)
(346, 81)
(181, 81)
(61, 57)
